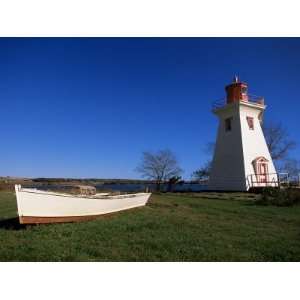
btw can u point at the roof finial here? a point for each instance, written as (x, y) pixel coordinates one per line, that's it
(235, 79)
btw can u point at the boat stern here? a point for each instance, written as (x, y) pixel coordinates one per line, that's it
(18, 188)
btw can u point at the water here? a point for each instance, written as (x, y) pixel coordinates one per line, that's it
(133, 187)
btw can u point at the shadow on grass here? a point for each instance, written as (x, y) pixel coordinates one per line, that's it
(11, 224)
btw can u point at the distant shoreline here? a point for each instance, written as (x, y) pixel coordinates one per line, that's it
(56, 180)
(7, 183)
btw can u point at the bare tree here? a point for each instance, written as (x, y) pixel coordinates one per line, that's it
(203, 172)
(292, 167)
(173, 181)
(278, 141)
(159, 166)
(209, 149)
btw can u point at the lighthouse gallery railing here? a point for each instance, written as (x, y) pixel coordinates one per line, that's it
(251, 99)
(269, 179)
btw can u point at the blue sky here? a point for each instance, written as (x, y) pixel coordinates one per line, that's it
(89, 107)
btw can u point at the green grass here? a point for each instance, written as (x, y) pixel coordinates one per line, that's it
(202, 227)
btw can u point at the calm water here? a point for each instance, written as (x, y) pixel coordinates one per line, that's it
(131, 187)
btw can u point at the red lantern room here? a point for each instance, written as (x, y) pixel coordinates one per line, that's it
(237, 91)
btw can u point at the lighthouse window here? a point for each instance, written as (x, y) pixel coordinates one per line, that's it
(244, 90)
(228, 124)
(250, 123)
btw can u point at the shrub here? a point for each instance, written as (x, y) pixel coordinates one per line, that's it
(279, 197)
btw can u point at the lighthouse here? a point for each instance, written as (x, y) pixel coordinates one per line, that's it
(241, 157)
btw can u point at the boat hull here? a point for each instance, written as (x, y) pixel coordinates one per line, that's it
(36, 207)
(47, 220)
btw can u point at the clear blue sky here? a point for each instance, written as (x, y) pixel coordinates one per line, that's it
(89, 107)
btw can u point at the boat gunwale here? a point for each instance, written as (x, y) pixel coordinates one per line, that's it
(108, 197)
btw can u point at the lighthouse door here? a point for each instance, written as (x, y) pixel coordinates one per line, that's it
(261, 170)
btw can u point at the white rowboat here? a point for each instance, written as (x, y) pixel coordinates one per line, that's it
(35, 206)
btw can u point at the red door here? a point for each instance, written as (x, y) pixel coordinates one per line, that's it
(260, 165)
(263, 172)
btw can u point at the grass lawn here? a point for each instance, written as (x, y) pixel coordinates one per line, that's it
(202, 227)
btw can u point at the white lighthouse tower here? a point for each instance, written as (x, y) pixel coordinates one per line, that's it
(241, 157)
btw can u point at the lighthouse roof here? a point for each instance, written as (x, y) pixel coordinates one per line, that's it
(237, 91)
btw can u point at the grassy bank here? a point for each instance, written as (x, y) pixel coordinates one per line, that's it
(203, 227)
